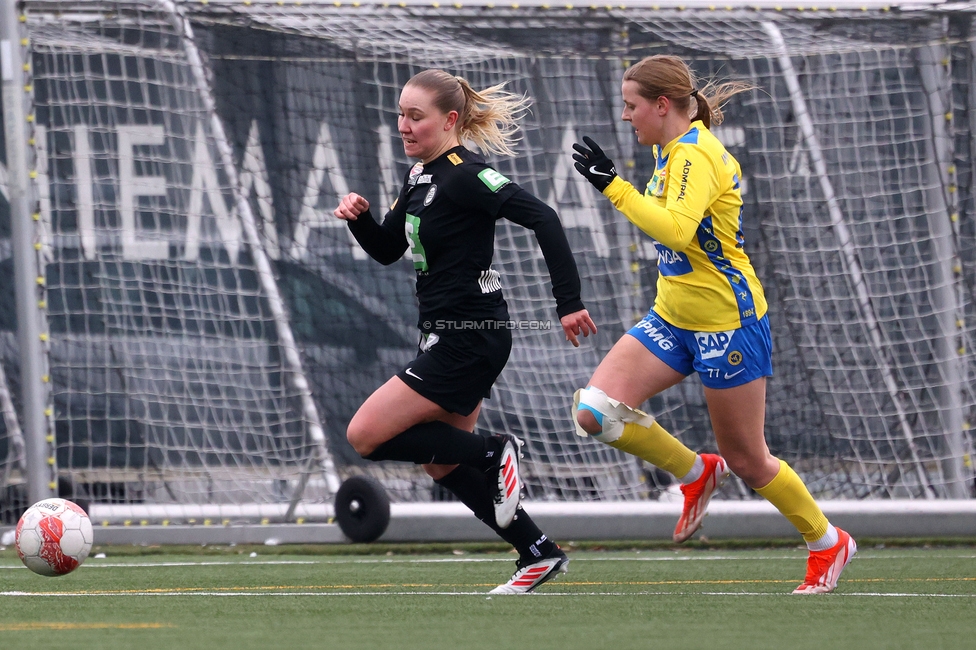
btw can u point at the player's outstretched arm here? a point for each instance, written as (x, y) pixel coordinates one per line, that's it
(384, 242)
(576, 324)
(674, 228)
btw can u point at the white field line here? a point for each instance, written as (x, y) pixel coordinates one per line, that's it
(211, 594)
(153, 565)
(95, 563)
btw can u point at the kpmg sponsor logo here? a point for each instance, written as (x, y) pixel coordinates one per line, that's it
(655, 331)
(713, 344)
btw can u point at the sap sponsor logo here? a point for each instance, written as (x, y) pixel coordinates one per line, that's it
(713, 344)
(684, 180)
(655, 332)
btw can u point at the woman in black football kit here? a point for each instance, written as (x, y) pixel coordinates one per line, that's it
(445, 214)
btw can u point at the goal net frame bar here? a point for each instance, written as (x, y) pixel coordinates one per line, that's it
(248, 220)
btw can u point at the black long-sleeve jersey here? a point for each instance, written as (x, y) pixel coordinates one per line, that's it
(446, 214)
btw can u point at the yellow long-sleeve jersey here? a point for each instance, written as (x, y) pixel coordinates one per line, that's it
(692, 207)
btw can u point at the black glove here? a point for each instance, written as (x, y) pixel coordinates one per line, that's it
(593, 164)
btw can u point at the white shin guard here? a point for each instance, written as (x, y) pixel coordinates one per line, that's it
(611, 414)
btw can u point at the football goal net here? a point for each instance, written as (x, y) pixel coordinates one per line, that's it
(211, 327)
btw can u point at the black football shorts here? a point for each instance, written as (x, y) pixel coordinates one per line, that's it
(456, 370)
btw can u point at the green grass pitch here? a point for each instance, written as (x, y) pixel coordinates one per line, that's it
(307, 597)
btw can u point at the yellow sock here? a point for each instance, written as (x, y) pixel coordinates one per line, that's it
(792, 498)
(656, 446)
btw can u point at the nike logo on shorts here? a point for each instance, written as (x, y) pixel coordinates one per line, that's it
(415, 376)
(727, 375)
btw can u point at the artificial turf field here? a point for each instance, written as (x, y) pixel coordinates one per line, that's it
(435, 597)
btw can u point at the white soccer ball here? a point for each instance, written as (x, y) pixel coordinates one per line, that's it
(54, 537)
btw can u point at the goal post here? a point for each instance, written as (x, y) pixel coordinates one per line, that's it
(175, 371)
(320, 458)
(35, 451)
(213, 328)
(852, 266)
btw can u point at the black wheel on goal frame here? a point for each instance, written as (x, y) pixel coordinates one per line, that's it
(362, 509)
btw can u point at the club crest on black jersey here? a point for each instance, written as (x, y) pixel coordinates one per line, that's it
(451, 205)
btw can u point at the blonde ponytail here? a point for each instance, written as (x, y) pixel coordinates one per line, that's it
(487, 118)
(663, 75)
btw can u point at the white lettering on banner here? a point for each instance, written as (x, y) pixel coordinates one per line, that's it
(4, 191)
(713, 344)
(799, 164)
(254, 175)
(729, 136)
(131, 187)
(389, 185)
(324, 161)
(85, 204)
(205, 183)
(577, 207)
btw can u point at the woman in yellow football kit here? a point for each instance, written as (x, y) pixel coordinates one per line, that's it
(709, 316)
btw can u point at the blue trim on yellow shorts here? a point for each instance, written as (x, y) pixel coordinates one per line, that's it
(721, 359)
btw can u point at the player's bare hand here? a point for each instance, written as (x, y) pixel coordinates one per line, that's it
(351, 206)
(576, 324)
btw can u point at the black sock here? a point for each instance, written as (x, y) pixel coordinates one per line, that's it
(439, 442)
(471, 487)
